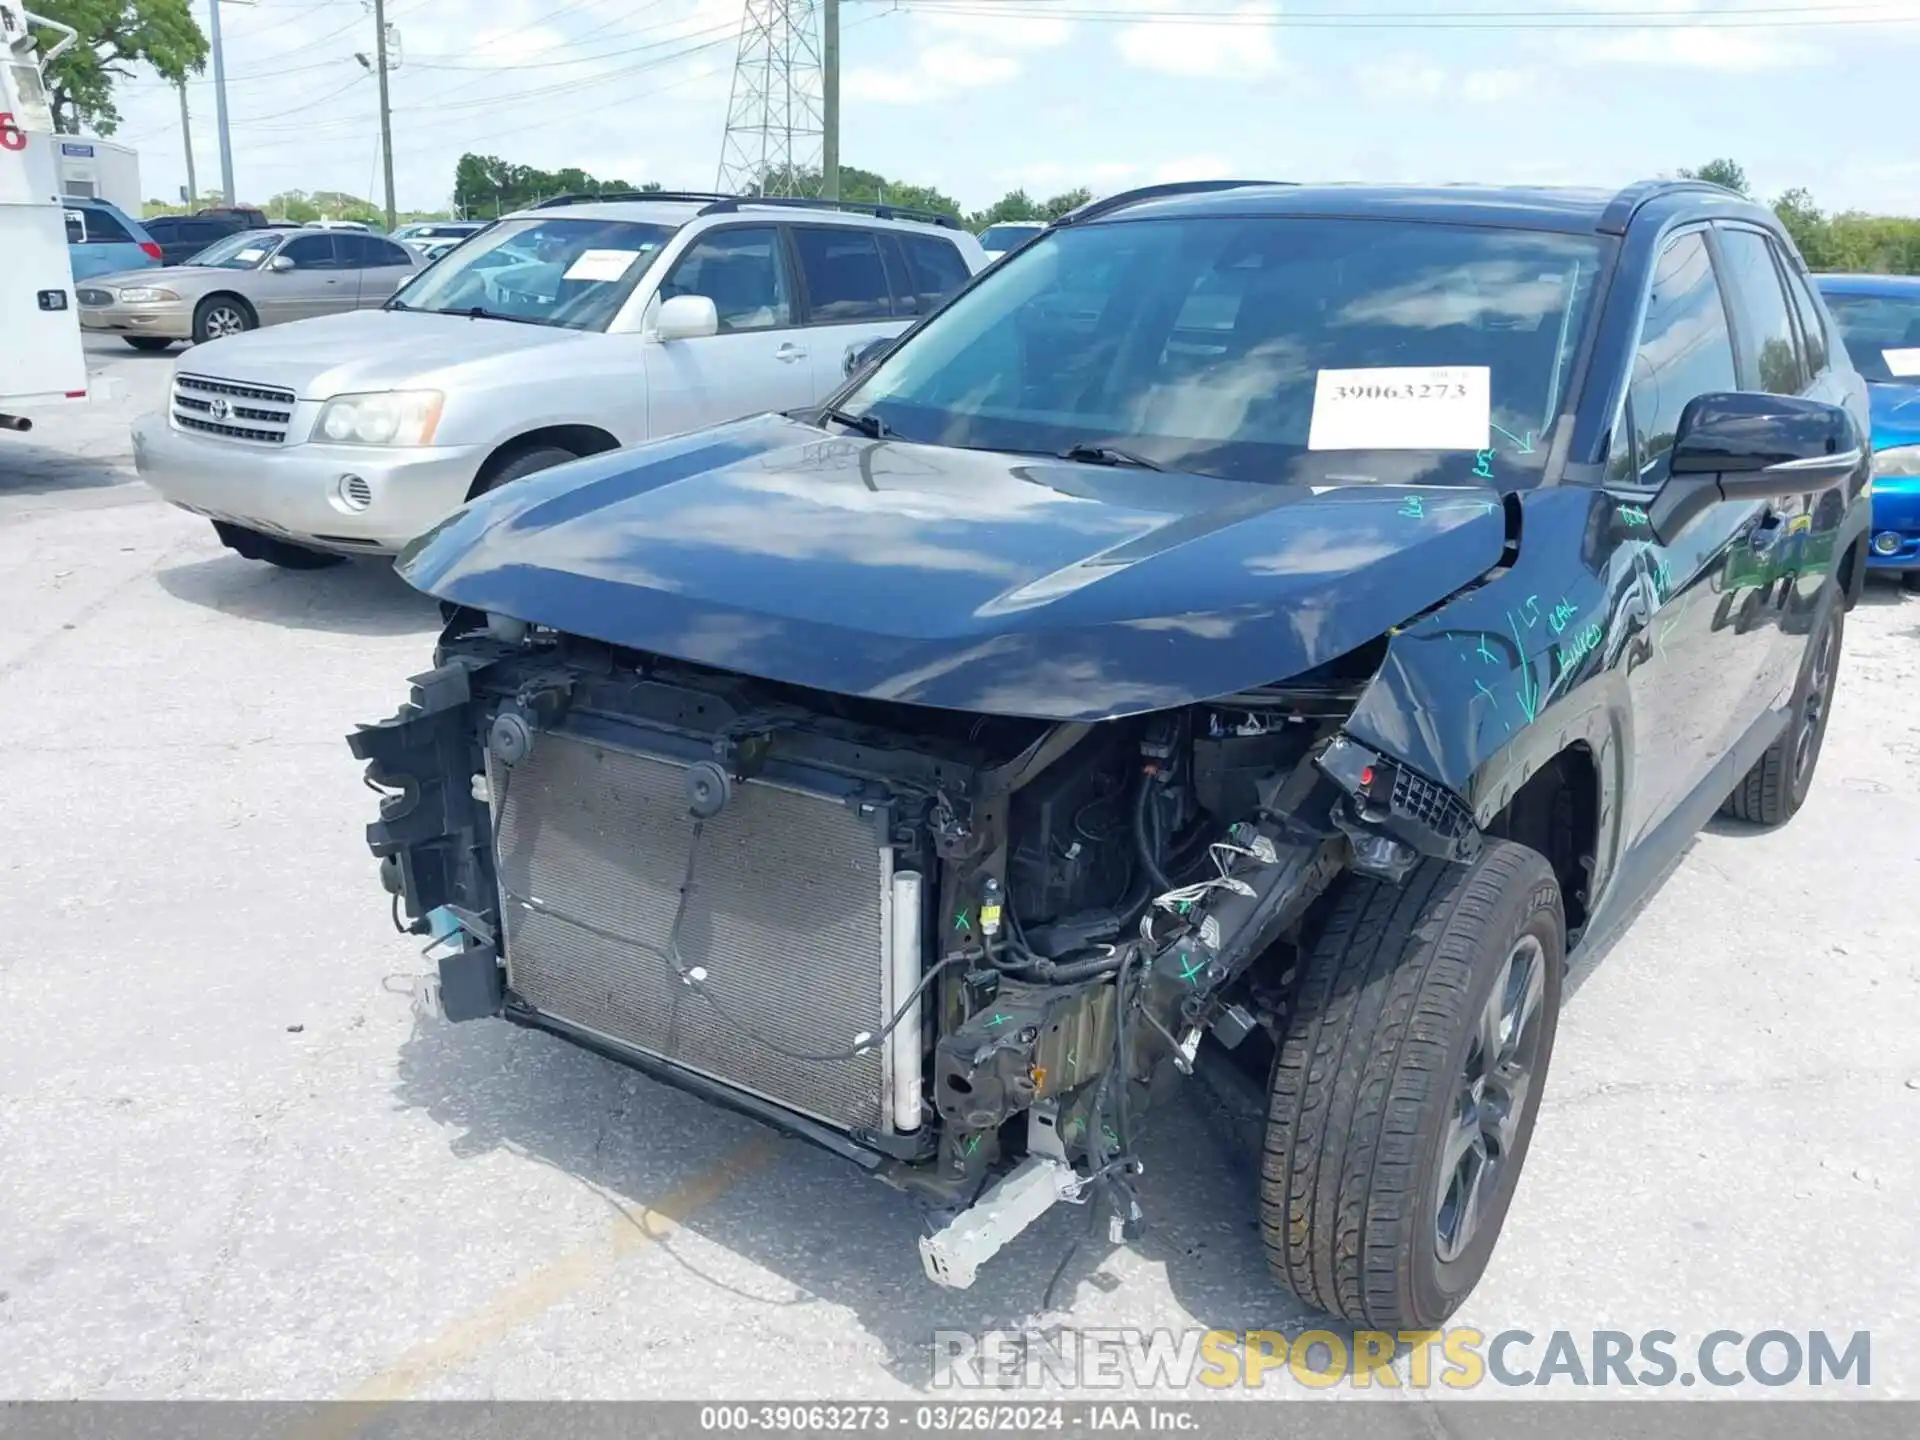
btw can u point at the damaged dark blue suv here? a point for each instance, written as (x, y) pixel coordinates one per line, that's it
(1252, 625)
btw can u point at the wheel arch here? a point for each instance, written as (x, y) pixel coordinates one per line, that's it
(1557, 811)
(582, 440)
(234, 295)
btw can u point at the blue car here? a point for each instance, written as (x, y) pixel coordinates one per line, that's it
(103, 238)
(1879, 319)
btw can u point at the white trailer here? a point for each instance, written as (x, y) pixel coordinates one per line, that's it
(41, 359)
(96, 169)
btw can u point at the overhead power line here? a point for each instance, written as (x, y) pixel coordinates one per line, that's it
(1775, 17)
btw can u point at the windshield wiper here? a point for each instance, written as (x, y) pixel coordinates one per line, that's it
(1108, 455)
(871, 426)
(480, 312)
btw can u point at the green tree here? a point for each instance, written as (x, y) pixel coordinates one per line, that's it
(1727, 174)
(866, 187)
(1058, 205)
(292, 205)
(115, 35)
(486, 185)
(1014, 205)
(1810, 229)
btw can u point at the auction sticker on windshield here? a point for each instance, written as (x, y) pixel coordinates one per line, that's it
(601, 264)
(1902, 364)
(1411, 407)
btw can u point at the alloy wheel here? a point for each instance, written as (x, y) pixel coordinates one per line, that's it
(224, 320)
(1490, 1097)
(1813, 706)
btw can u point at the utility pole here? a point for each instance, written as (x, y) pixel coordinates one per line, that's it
(386, 114)
(186, 138)
(220, 108)
(830, 99)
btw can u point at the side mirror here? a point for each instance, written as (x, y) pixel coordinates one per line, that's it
(860, 357)
(280, 264)
(686, 317)
(1743, 445)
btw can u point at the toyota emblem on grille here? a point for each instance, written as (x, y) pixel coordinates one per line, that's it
(220, 410)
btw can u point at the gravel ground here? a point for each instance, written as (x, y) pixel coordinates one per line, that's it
(236, 1163)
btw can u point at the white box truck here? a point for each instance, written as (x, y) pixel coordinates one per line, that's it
(96, 169)
(41, 358)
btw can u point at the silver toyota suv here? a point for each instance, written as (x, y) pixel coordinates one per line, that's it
(582, 325)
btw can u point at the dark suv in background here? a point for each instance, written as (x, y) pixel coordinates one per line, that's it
(1300, 617)
(181, 237)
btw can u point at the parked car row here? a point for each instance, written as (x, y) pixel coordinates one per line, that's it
(553, 333)
(248, 279)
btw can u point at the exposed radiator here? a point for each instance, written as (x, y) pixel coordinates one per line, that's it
(787, 917)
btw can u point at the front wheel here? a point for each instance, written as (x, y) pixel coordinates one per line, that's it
(1772, 792)
(1405, 1086)
(219, 316)
(526, 462)
(1910, 581)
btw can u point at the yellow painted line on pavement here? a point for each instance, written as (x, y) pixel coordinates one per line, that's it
(546, 1287)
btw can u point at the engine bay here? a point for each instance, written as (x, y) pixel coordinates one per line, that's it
(967, 951)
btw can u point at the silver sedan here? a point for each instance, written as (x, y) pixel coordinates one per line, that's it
(254, 278)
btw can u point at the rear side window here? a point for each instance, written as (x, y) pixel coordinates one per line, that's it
(934, 270)
(371, 252)
(1766, 325)
(1813, 329)
(1685, 349)
(104, 229)
(846, 279)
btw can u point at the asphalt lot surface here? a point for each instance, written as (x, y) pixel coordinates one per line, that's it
(234, 1163)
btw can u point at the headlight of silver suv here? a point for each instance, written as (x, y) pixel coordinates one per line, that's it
(1897, 460)
(387, 417)
(145, 295)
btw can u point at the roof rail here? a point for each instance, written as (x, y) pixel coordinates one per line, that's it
(878, 209)
(717, 204)
(584, 197)
(1625, 205)
(1110, 203)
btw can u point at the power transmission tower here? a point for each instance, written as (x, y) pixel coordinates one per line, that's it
(775, 118)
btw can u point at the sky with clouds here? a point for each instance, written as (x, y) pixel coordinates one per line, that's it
(979, 96)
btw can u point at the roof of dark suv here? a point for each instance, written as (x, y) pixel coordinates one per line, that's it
(1567, 209)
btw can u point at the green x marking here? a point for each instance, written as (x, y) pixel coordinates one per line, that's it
(960, 920)
(997, 1019)
(1192, 970)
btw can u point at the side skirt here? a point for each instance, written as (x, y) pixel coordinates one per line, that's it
(1645, 867)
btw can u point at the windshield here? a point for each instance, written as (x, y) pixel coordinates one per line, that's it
(996, 238)
(1881, 333)
(242, 251)
(564, 271)
(1271, 349)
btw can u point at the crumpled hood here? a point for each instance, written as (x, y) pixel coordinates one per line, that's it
(366, 350)
(963, 579)
(1896, 414)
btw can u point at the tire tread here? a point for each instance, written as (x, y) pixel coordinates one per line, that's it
(1381, 997)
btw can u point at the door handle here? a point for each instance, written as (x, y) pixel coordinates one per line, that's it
(790, 353)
